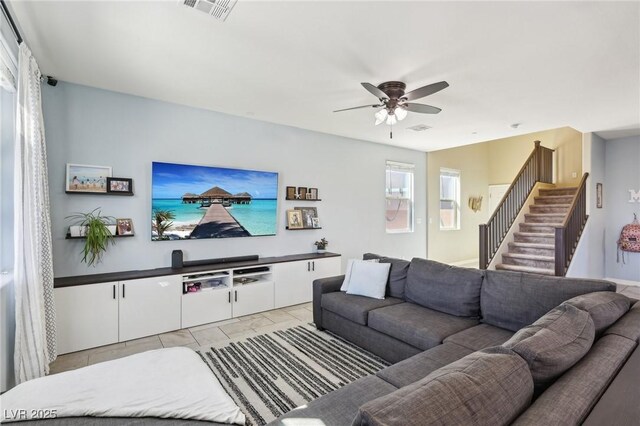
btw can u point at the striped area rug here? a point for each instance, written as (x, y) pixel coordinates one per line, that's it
(273, 373)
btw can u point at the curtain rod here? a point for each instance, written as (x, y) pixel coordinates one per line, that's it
(7, 15)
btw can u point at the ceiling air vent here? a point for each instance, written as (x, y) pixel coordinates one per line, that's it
(419, 128)
(219, 9)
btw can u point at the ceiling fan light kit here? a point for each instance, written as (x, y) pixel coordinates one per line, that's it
(395, 102)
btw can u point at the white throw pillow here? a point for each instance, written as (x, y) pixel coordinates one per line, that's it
(347, 273)
(369, 279)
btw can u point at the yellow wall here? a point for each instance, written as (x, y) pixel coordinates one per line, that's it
(490, 163)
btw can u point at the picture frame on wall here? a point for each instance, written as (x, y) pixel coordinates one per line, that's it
(316, 222)
(294, 219)
(599, 195)
(83, 178)
(314, 193)
(302, 193)
(307, 213)
(124, 226)
(291, 192)
(119, 185)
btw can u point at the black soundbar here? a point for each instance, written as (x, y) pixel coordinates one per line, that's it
(177, 260)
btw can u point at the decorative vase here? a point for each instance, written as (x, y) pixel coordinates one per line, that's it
(321, 250)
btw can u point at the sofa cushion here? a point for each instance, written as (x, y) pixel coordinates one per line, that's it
(338, 407)
(490, 387)
(479, 337)
(445, 288)
(369, 279)
(397, 275)
(354, 308)
(513, 300)
(570, 399)
(554, 343)
(629, 325)
(605, 307)
(418, 366)
(349, 270)
(418, 326)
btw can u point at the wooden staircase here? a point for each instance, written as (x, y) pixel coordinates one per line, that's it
(533, 249)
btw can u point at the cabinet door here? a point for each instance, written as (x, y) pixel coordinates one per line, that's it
(328, 267)
(292, 283)
(206, 306)
(251, 298)
(86, 316)
(149, 306)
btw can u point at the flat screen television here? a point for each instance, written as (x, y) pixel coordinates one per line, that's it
(193, 202)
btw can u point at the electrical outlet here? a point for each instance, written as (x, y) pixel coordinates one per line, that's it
(419, 221)
(574, 174)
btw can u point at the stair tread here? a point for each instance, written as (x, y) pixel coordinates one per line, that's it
(535, 234)
(529, 269)
(545, 214)
(554, 196)
(529, 256)
(547, 224)
(534, 245)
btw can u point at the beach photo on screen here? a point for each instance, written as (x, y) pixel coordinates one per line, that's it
(191, 202)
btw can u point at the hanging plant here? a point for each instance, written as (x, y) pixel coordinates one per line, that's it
(97, 234)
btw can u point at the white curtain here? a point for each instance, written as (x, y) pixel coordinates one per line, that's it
(8, 66)
(33, 268)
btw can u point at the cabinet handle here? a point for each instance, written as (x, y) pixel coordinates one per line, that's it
(314, 265)
(123, 291)
(229, 297)
(308, 266)
(236, 296)
(114, 292)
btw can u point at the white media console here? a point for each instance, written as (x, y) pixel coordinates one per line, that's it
(97, 310)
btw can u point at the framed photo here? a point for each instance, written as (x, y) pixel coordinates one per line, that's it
(308, 213)
(125, 226)
(294, 219)
(84, 178)
(599, 195)
(302, 193)
(309, 197)
(314, 193)
(120, 185)
(316, 222)
(291, 192)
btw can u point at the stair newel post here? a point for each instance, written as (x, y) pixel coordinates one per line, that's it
(484, 255)
(539, 161)
(561, 255)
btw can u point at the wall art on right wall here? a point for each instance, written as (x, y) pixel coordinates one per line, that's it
(599, 195)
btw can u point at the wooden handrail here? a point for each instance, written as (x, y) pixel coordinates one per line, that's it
(568, 233)
(537, 168)
(574, 202)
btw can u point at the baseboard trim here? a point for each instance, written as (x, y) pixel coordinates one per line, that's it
(470, 263)
(624, 282)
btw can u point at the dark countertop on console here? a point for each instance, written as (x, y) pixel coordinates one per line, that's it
(148, 273)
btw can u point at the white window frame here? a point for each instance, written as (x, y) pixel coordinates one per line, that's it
(392, 194)
(456, 202)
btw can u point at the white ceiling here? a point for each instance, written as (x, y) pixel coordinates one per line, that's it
(542, 64)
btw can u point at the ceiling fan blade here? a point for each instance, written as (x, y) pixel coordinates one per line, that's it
(375, 91)
(425, 91)
(421, 108)
(358, 107)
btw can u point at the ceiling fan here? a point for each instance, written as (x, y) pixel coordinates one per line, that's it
(395, 102)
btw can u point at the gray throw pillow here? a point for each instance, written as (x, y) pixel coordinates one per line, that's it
(397, 275)
(554, 343)
(444, 288)
(605, 307)
(490, 387)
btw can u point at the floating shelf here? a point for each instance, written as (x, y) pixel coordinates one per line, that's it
(128, 194)
(301, 229)
(301, 199)
(69, 237)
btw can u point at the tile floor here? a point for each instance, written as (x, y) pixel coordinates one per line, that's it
(212, 334)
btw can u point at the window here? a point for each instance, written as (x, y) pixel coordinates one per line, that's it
(399, 197)
(449, 199)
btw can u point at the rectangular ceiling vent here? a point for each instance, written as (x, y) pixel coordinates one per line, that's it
(219, 9)
(419, 128)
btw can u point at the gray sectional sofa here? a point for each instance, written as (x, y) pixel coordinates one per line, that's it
(475, 347)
